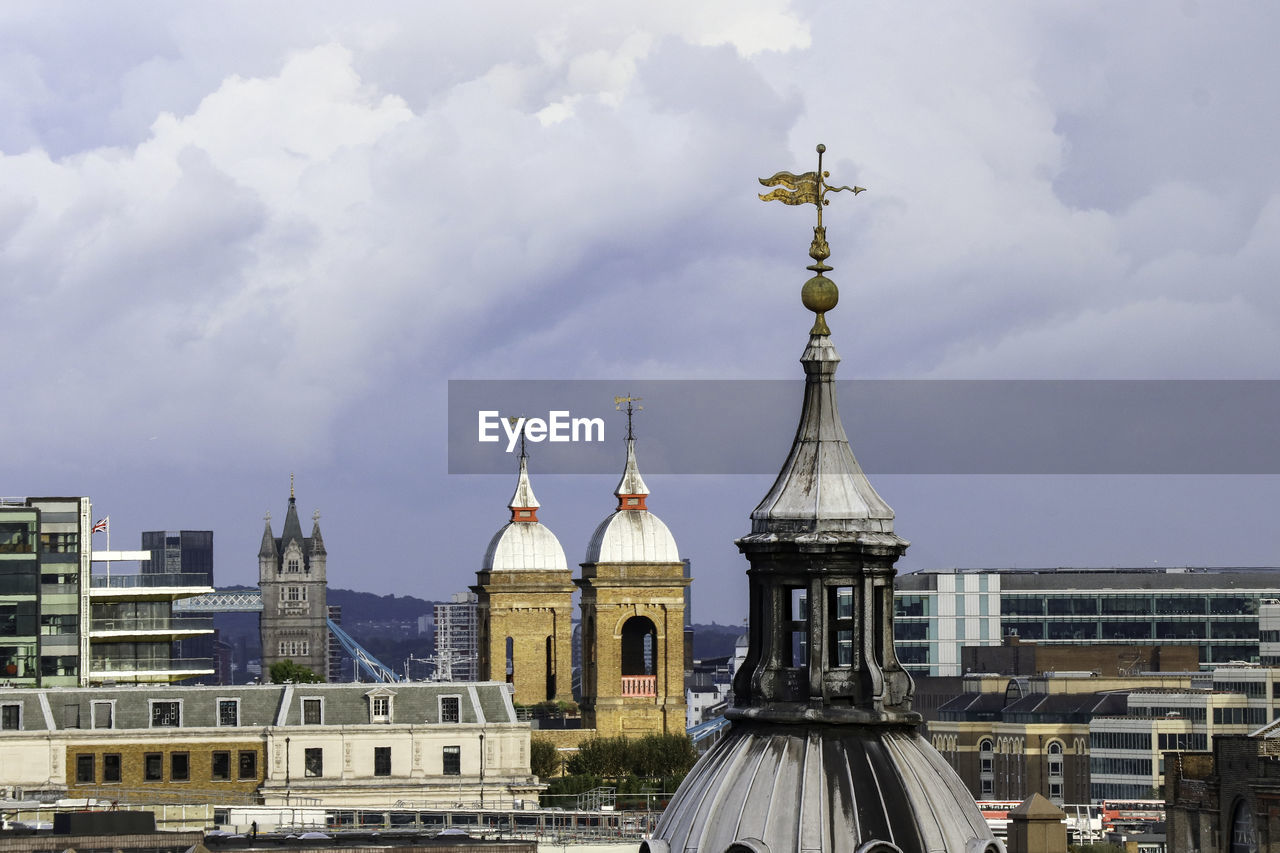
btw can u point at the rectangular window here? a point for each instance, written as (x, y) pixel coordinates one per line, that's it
(248, 767)
(165, 714)
(312, 712)
(380, 708)
(71, 716)
(228, 712)
(10, 717)
(382, 761)
(101, 714)
(453, 761)
(153, 767)
(220, 767)
(84, 770)
(179, 767)
(450, 707)
(313, 762)
(111, 767)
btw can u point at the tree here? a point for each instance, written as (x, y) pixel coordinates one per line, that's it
(544, 758)
(286, 670)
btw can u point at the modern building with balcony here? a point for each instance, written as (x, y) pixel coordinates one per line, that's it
(133, 631)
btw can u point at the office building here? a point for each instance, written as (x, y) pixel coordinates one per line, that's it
(1214, 610)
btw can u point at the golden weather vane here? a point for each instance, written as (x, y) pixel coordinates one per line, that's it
(819, 293)
(631, 408)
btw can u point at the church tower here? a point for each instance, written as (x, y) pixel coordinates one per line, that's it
(633, 588)
(525, 604)
(291, 574)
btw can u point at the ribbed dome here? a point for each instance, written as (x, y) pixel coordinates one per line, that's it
(822, 788)
(524, 546)
(632, 536)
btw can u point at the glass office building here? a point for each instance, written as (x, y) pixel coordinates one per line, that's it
(1214, 609)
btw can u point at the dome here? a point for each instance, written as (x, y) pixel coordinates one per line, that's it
(524, 546)
(816, 788)
(632, 536)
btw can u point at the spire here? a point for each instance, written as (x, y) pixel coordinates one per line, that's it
(317, 542)
(523, 504)
(631, 490)
(821, 487)
(292, 527)
(268, 547)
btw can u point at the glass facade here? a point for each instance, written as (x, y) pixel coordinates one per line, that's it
(1216, 610)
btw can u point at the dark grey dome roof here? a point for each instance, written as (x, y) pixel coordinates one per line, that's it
(822, 788)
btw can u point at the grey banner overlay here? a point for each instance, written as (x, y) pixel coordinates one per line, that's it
(895, 426)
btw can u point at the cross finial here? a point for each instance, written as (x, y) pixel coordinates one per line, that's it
(290, 485)
(267, 517)
(315, 516)
(631, 409)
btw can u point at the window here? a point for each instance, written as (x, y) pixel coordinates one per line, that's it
(248, 767)
(220, 767)
(71, 716)
(228, 712)
(452, 761)
(179, 767)
(294, 648)
(293, 565)
(165, 713)
(381, 706)
(11, 717)
(450, 709)
(101, 714)
(295, 593)
(312, 712)
(111, 767)
(382, 761)
(153, 767)
(313, 762)
(84, 770)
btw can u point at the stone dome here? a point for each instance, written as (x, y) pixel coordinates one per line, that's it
(524, 546)
(632, 536)
(776, 788)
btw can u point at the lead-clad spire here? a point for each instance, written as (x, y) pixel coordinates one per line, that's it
(523, 504)
(824, 752)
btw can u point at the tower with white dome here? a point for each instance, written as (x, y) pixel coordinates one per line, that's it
(633, 616)
(525, 604)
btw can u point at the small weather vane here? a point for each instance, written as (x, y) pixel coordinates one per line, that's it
(819, 293)
(631, 408)
(516, 422)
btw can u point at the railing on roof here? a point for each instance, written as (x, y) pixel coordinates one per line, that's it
(158, 623)
(150, 665)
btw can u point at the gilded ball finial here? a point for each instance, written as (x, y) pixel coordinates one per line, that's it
(822, 149)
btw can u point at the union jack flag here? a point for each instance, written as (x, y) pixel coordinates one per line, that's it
(102, 526)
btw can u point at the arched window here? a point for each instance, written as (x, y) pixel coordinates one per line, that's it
(1055, 768)
(551, 668)
(986, 769)
(511, 661)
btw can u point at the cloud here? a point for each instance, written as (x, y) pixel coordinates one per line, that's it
(268, 236)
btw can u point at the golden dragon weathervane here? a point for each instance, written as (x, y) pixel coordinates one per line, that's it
(819, 293)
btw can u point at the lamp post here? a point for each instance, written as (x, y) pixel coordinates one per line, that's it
(286, 771)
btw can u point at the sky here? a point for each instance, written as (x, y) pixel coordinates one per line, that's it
(240, 242)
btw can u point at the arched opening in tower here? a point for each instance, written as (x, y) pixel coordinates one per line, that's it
(551, 669)
(639, 657)
(511, 660)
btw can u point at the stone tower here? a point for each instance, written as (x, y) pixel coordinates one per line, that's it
(525, 604)
(291, 575)
(633, 618)
(823, 752)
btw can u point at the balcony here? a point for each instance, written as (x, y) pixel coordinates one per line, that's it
(160, 626)
(126, 670)
(639, 685)
(148, 586)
